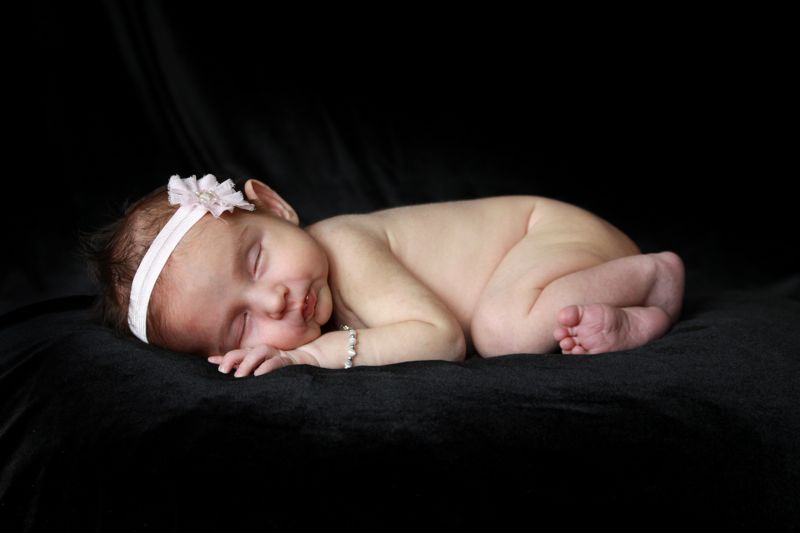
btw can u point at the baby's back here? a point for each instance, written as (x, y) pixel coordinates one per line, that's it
(454, 247)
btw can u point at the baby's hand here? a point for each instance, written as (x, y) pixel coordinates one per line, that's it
(260, 359)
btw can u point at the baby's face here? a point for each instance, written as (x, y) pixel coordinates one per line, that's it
(243, 283)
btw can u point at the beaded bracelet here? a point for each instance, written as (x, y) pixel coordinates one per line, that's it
(351, 349)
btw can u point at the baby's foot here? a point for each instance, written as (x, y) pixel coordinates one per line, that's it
(598, 328)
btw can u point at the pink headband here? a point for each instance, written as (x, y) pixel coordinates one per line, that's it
(195, 199)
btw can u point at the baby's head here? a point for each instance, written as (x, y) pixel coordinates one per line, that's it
(242, 279)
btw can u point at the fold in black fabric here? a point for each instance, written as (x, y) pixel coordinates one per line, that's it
(698, 427)
(119, 95)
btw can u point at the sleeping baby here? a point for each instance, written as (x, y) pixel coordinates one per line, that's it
(201, 268)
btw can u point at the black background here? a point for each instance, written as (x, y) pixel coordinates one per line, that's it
(677, 127)
(675, 133)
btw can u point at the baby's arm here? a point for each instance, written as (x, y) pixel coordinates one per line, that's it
(411, 340)
(405, 320)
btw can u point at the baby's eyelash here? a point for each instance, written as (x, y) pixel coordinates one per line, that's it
(258, 258)
(244, 325)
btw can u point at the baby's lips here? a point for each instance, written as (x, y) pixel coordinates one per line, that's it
(310, 305)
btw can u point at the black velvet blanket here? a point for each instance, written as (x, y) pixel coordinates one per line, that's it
(700, 428)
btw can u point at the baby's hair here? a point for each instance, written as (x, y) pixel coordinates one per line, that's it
(113, 253)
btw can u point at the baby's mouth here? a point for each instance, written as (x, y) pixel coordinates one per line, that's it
(309, 305)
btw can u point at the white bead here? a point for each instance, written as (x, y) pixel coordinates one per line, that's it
(206, 196)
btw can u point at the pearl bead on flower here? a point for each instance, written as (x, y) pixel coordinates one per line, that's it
(206, 196)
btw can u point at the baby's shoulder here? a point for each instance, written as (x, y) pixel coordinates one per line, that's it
(337, 230)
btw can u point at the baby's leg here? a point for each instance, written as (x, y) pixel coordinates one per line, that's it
(609, 324)
(613, 305)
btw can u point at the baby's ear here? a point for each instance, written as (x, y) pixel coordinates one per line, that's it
(264, 197)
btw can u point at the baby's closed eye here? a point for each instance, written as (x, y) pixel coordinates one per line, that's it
(257, 260)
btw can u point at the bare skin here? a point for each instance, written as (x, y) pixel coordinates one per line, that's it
(526, 304)
(512, 274)
(605, 327)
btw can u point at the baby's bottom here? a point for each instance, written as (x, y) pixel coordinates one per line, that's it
(616, 305)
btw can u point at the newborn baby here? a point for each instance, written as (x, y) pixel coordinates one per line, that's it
(256, 292)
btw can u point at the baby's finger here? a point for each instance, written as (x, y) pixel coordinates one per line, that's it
(255, 355)
(231, 360)
(273, 363)
(215, 359)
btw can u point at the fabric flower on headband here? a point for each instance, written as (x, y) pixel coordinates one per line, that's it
(214, 196)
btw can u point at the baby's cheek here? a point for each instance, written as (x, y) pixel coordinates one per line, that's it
(289, 340)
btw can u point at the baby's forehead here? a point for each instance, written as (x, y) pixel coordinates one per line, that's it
(203, 257)
(212, 235)
(215, 236)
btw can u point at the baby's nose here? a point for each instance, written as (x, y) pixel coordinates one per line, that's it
(272, 301)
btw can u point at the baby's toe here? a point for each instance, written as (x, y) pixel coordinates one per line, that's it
(566, 344)
(560, 334)
(569, 316)
(578, 350)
